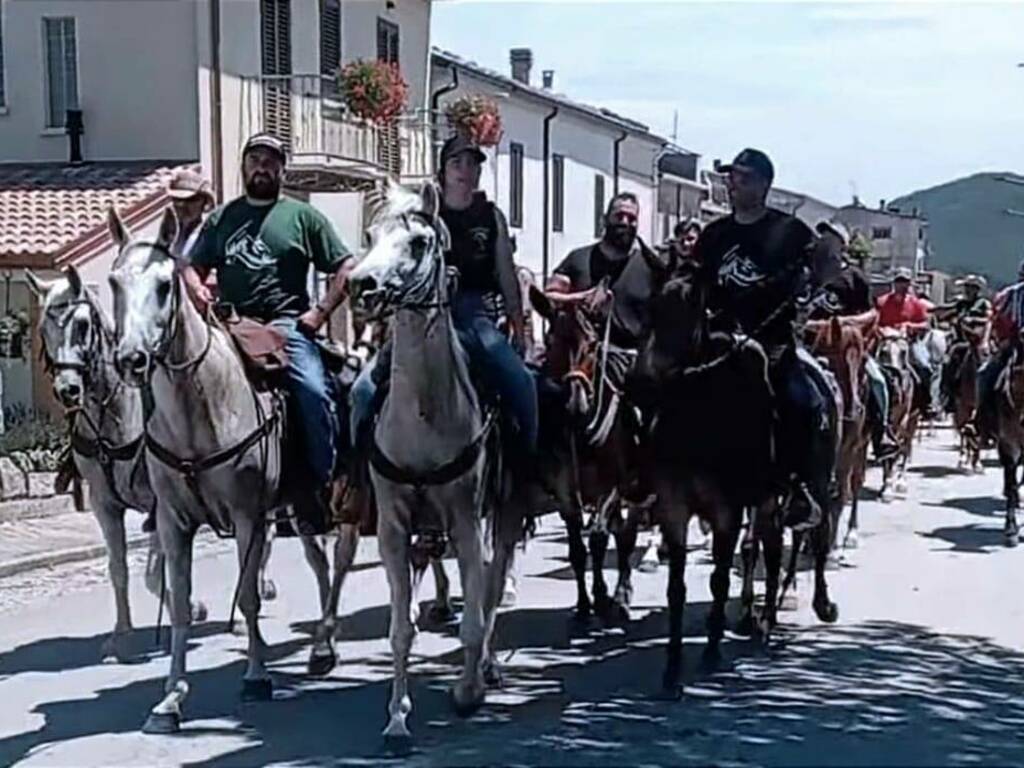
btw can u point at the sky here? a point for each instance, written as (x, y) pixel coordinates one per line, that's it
(873, 99)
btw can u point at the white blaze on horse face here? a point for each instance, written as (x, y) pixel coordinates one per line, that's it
(143, 285)
(67, 333)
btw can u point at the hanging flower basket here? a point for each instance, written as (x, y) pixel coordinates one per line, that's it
(13, 326)
(373, 90)
(476, 116)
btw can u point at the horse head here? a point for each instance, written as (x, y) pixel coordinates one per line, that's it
(894, 348)
(841, 342)
(147, 296)
(75, 332)
(404, 266)
(571, 348)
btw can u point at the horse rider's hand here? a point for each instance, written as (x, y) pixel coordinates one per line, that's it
(311, 321)
(202, 297)
(520, 342)
(598, 299)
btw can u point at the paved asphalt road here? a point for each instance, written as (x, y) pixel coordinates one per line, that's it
(926, 664)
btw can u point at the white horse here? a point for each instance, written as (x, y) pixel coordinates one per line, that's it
(431, 448)
(106, 431)
(213, 452)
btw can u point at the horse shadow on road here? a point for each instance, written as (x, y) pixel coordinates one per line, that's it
(876, 692)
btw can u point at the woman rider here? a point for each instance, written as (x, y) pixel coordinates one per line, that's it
(481, 250)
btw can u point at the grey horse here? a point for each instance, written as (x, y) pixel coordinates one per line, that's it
(106, 431)
(429, 462)
(214, 453)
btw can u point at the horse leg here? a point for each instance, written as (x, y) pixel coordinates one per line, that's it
(176, 543)
(251, 536)
(1010, 460)
(268, 589)
(625, 546)
(316, 557)
(154, 579)
(578, 560)
(790, 580)
(675, 538)
(441, 611)
(111, 520)
(322, 656)
(507, 536)
(748, 555)
(395, 555)
(824, 608)
(726, 533)
(469, 690)
(769, 532)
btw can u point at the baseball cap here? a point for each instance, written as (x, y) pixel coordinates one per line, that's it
(978, 281)
(835, 228)
(266, 141)
(186, 183)
(753, 161)
(903, 273)
(458, 144)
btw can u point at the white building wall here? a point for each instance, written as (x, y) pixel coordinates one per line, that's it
(136, 80)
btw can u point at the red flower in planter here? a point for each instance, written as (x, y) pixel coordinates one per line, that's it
(373, 90)
(478, 117)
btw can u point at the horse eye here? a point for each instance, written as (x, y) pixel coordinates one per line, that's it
(163, 290)
(79, 330)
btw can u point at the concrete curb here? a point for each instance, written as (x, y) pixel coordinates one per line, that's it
(65, 556)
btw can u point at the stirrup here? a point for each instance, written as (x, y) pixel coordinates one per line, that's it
(814, 513)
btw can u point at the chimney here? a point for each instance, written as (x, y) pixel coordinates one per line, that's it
(881, 204)
(549, 79)
(522, 63)
(73, 128)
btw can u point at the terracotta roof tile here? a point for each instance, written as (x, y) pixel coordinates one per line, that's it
(45, 208)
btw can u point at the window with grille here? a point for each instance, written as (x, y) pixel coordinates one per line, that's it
(387, 41)
(881, 233)
(515, 180)
(330, 45)
(61, 69)
(276, 55)
(598, 205)
(557, 193)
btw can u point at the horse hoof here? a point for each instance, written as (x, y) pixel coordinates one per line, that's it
(509, 598)
(199, 612)
(789, 602)
(1011, 539)
(852, 540)
(268, 590)
(493, 675)
(114, 647)
(322, 659)
(162, 723)
(440, 613)
(466, 704)
(260, 689)
(745, 626)
(827, 611)
(398, 744)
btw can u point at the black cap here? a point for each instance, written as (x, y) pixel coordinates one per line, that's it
(458, 144)
(754, 161)
(266, 141)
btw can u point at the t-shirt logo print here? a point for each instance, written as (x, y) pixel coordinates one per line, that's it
(738, 270)
(480, 236)
(251, 252)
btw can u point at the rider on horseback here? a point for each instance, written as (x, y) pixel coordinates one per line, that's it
(481, 250)
(970, 311)
(262, 245)
(901, 309)
(1007, 323)
(849, 293)
(761, 263)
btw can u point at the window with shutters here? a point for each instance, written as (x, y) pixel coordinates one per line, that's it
(881, 233)
(276, 54)
(387, 41)
(557, 193)
(515, 180)
(598, 205)
(330, 45)
(61, 69)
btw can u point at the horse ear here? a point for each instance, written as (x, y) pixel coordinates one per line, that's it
(168, 229)
(74, 280)
(38, 285)
(541, 303)
(117, 228)
(431, 197)
(443, 233)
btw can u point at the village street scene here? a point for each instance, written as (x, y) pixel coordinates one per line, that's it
(471, 382)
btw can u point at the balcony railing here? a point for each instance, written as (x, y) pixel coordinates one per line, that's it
(307, 113)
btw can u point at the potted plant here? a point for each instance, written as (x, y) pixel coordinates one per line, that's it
(373, 90)
(13, 326)
(478, 117)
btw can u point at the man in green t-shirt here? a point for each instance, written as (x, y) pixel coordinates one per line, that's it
(262, 246)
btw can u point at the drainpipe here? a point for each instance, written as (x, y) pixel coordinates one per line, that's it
(435, 101)
(546, 225)
(216, 129)
(615, 162)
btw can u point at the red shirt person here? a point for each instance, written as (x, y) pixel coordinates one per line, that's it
(900, 308)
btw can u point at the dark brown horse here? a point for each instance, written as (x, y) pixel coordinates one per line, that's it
(600, 435)
(975, 352)
(842, 342)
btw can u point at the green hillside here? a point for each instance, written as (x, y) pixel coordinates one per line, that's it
(975, 224)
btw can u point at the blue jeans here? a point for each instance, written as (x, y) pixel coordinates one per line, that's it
(314, 404)
(879, 388)
(491, 357)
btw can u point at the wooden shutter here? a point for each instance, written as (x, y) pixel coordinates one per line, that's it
(387, 41)
(330, 44)
(389, 151)
(276, 51)
(558, 193)
(515, 192)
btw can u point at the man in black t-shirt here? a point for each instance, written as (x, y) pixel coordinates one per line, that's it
(760, 263)
(620, 259)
